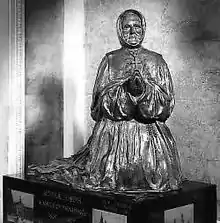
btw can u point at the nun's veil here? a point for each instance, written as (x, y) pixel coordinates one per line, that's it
(120, 22)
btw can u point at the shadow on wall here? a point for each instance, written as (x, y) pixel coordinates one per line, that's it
(204, 20)
(44, 138)
(44, 80)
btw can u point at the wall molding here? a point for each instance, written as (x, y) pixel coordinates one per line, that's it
(16, 134)
(73, 112)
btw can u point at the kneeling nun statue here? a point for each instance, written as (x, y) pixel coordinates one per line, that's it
(131, 148)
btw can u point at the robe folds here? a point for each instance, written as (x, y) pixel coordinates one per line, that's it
(131, 147)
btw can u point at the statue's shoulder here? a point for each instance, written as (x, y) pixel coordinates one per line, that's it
(116, 52)
(151, 54)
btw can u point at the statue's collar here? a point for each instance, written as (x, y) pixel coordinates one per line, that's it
(133, 51)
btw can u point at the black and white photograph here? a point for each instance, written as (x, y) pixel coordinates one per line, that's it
(99, 216)
(105, 101)
(20, 207)
(182, 214)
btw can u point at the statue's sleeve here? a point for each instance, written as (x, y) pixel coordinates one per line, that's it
(110, 100)
(158, 101)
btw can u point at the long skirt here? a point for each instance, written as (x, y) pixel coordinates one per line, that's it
(128, 155)
(122, 155)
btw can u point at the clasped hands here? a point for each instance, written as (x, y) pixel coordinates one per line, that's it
(135, 84)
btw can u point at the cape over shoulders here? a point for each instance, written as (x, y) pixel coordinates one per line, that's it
(122, 50)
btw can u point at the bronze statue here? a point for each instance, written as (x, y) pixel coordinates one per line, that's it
(130, 148)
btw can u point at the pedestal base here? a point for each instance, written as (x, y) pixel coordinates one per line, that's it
(38, 202)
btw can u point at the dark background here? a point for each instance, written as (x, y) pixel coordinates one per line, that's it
(44, 21)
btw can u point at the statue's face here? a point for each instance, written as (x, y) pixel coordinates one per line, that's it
(132, 30)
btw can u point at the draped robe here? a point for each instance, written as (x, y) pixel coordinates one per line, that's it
(131, 147)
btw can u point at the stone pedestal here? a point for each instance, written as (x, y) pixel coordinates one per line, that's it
(40, 202)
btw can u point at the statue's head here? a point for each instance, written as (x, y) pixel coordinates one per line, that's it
(131, 28)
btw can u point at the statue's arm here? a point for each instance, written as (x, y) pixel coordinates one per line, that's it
(110, 98)
(158, 101)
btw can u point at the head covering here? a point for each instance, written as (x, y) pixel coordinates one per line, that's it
(120, 22)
